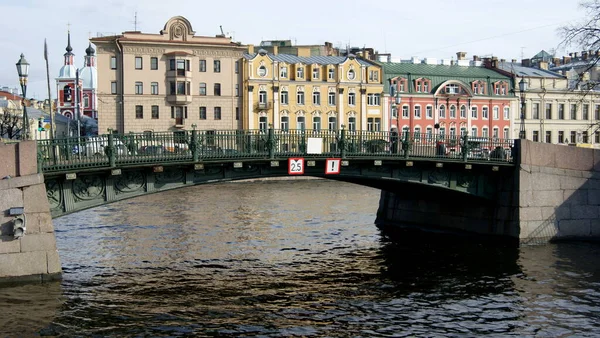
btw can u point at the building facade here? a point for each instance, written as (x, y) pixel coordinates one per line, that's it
(450, 99)
(169, 81)
(312, 93)
(68, 85)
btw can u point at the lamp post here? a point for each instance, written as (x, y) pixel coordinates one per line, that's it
(522, 89)
(23, 71)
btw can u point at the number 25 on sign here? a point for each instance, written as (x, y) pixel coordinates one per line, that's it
(295, 166)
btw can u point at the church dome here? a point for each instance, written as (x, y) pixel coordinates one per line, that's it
(67, 72)
(90, 50)
(89, 77)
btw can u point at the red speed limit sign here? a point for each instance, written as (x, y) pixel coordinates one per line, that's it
(295, 166)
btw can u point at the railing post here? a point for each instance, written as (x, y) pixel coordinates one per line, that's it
(271, 142)
(194, 146)
(465, 147)
(342, 142)
(110, 150)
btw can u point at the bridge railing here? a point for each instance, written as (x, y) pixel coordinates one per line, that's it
(113, 150)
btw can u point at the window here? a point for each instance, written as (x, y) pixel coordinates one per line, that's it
(496, 112)
(217, 66)
(283, 97)
(315, 74)
(285, 123)
(573, 112)
(548, 137)
(374, 124)
(202, 89)
(351, 123)
(351, 99)
(573, 137)
(561, 137)
(300, 97)
(237, 67)
(418, 86)
(484, 132)
(474, 132)
(417, 112)
(597, 137)
(138, 62)
(429, 133)
(485, 112)
(283, 72)
(452, 111)
(262, 124)
(535, 111)
(316, 98)
(584, 136)
(561, 112)
(548, 111)
(237, 90)
(301, 123)
(154, 112)
(442, 111)
(217, 89)
(154, 88)
(86, 101)
(452, 88)
(139, 88)
(203, 66)
(139, 112)
(585, 113)
(331, 74)
(452, 132)
(405, 111)
(300, 72)
(351, 74)
(426, 86)
(373, 75)
(507, 114)
(373, 99)
(442, 132)
(332, 123)
(316, 123)
(597, 114)
(417, 136)
(394, 112)
(495, 133)
(202, 113)
(536, 136)
(113, 87)
(180, 66)
(179, 88)
(262, 97)
(505, 134)
(237, 113)
(113, 62)
(463, 112)
(429, 112)
(217, 113)
(154, 63)
(474, 112)
(331, 99)
(262, 71)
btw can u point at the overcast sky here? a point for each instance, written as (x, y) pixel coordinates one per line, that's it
(435, 28)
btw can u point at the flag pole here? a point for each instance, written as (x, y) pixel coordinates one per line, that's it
(49, 93)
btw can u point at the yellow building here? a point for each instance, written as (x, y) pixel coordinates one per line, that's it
(313, 93)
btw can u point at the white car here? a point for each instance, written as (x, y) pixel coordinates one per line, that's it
(95, 145)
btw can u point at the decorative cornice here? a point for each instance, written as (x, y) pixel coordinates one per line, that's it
(144, 50)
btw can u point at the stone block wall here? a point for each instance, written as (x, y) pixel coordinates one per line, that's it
(559, 192)
(33, 257)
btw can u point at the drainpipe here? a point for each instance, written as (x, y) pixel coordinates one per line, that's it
(121, 102)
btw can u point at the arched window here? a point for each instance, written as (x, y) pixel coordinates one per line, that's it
(67, 96)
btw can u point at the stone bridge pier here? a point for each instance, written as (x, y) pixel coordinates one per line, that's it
(552, 194)
(34, 256)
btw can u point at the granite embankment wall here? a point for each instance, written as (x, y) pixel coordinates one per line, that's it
(34, 256)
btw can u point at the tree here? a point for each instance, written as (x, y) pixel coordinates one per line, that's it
(584, 34)
(11, 123)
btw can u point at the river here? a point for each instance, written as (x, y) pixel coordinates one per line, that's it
(293, 258)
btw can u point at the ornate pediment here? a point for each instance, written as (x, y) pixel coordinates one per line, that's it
(178, 28)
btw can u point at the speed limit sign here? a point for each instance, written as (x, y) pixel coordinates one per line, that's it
(296, 166)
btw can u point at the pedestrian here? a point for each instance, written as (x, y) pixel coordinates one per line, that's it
(394, 140)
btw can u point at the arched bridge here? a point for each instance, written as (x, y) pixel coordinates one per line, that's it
(84, 172)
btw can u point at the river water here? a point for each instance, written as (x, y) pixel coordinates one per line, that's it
(293, 258)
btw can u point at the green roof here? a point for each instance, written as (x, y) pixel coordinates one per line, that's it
(440, 73)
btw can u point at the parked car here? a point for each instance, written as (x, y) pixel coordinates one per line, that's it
(152, 150)
(96, 146)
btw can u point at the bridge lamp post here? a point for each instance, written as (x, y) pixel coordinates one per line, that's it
(23, 71)
(522, 89)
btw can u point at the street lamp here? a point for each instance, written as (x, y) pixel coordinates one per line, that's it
(522, 89)
(23, 70)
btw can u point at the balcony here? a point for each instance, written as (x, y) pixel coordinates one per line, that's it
(263, 106)
(179, 99)
(179, 73)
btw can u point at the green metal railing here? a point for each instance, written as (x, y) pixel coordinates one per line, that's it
(123, 150)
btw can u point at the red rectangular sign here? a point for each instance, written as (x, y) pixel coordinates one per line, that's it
(296, 166)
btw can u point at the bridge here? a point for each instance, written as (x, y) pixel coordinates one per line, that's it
(90, 171)
(524, 191)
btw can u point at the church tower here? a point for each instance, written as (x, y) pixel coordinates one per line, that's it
(89, 79)
(66, 82)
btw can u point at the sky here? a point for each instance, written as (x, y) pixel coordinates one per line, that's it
(508, 29)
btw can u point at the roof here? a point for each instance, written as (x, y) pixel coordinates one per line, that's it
(521, 71)
(543, 55)
(577, 63)
(320, 60)
(441, 73)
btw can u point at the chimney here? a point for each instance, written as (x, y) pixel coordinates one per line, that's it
(275, 50)
(502, 60)
(584, 55)
(543, 65)
(566, 59)
(513, 60)
(494, 63)
(556, 61)
(575, 55)
(250, 49)
(461, 55)
(526, 63)
(476, 58)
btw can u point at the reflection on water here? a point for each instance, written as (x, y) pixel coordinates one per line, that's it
(295, 258)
